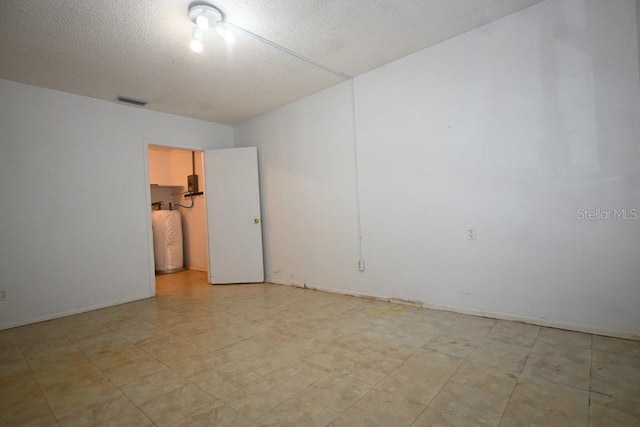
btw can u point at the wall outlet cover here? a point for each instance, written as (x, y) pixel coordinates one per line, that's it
(471, 233)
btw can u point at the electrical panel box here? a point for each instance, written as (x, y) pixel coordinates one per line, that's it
(192, 184)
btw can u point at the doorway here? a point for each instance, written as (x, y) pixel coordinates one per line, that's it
(176, 178)
(225, 239)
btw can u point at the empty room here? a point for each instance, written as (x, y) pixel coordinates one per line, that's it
(320, 213)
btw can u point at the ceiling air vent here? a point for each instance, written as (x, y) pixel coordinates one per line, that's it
(132, 101)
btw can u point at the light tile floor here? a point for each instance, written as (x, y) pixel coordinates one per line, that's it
(244, 355)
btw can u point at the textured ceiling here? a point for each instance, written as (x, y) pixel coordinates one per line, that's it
(140, 48)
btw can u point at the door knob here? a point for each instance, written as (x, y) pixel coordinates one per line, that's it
(256, 221)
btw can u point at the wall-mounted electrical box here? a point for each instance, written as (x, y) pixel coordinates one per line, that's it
(192, 184)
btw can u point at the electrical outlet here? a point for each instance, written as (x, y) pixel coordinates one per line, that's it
(360, 265)
(3, 294)
(471, 234)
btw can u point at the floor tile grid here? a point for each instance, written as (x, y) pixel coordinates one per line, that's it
(36, 380)
(293, 398)
(522, 378)
(514, 388)
(39, 382)
(447, 382)
(320, 379)
(39, 385)
(373, 386)
(188, 379)
(98, 369)
(382, 379)
(160, 361)
(436, 395)
(278, 405)
(511, 394)
(112, 316)
(120, 387)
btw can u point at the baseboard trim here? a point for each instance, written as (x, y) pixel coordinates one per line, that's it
(71, 312)
(349, 293)
(474, 312)
(283, 283)
(575, 327)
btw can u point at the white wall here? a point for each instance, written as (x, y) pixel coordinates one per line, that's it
(509, 129)
(307, 185)
(74, 219)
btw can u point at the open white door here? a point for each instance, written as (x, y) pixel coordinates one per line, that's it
(233, 216)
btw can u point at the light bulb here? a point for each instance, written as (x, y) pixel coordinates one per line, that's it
(196, 40)
(202, 21)
(225, 32)
(196, 45)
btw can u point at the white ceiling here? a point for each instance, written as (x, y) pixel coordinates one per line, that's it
(140, 48)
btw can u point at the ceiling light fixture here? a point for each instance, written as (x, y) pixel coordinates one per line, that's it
(206, 16)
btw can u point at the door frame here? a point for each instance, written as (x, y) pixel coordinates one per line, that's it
(147, 142)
